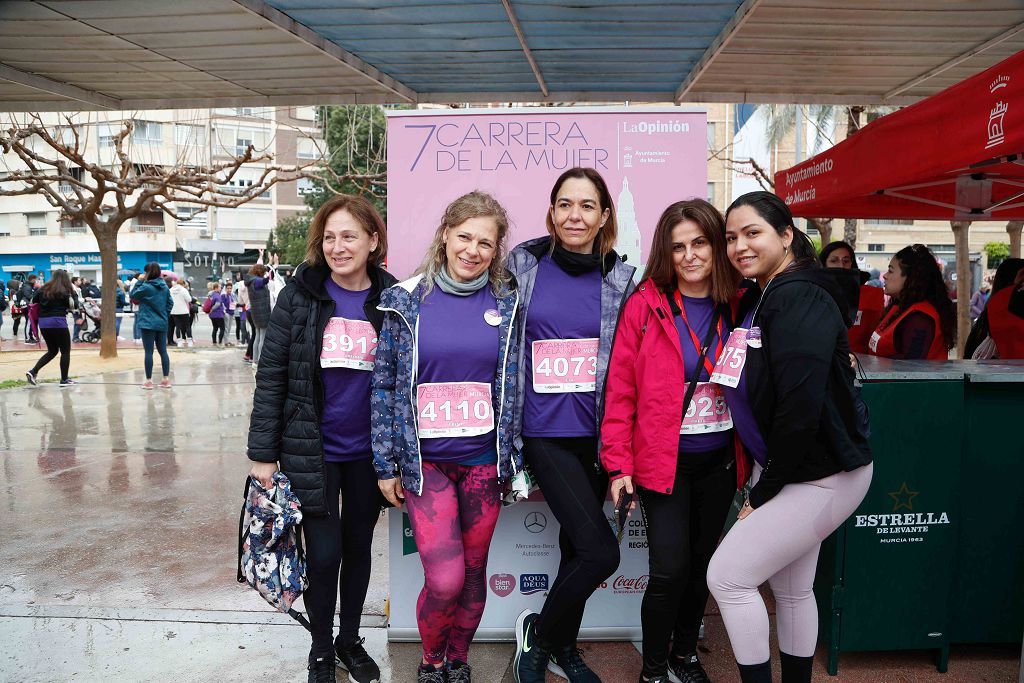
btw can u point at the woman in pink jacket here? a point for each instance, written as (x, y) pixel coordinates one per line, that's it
(667, 430)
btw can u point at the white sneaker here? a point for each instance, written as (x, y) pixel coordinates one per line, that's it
(120, 338)
(179, 343)
(190, 344)
(138, 342)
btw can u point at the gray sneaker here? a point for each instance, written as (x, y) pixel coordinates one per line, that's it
(31, 378)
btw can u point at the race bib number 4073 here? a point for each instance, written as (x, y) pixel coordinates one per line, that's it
(452, 409)
(564, 365)
(348, 344)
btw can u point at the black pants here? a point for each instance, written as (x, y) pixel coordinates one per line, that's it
(340, 540)
(218, 330)
(57, 340)
(252, 336)
(575, 487)
(683, 529)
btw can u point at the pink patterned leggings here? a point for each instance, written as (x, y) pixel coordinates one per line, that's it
(452, 521)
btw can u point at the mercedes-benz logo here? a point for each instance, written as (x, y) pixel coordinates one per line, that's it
(535, 522)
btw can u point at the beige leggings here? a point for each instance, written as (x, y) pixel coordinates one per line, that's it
(778, 543)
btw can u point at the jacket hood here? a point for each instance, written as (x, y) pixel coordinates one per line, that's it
(312, 279)
(842, 284)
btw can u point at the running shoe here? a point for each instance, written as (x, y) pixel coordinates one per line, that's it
(568, 663)
(687, 669)
(165, 383)
(321, 670)
(459, 672)
(530, 661)
(148, 384)
(30, 376)
(67, 383)
(429, 674)
(354, 659)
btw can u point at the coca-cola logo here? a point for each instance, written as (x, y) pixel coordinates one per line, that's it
(632, 584)
(503, 584)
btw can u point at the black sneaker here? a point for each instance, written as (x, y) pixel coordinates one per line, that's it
(530, 661)
(687, 669)
(321, 670)
(30, 376)
(459, 672)
(654, 679)
(428, 673)
(67, 383)
(568, 663)
(354, 659)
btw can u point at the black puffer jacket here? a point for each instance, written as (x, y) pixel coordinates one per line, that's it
(289, 401)
(259, 300)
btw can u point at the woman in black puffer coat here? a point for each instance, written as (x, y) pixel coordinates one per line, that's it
(311, 417)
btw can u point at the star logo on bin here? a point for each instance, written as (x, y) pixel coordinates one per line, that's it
(904, 498)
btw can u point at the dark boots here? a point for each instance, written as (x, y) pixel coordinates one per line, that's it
(796, 669)
(756, 673)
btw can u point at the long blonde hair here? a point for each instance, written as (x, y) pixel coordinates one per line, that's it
(475, 204)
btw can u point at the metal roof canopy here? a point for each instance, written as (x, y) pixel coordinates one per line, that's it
(146, 54)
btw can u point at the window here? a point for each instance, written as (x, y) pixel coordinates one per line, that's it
(240, 185)
(242, 146)
(304, 113)
(711, 193)
(186, 135)
(305, 186)
(37, 224)
(148, 131)
(889, 221)
(942, 247)
(149, 221)
(876, 247)
(107, 132)
(307, 148)
(711, 136)
(73, 226)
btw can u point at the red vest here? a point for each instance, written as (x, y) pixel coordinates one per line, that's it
(1006, 329)
(885, 339)
(869, 313)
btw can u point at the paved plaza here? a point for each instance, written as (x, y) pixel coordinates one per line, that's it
(121, 511)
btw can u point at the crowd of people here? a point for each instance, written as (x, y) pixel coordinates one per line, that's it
(672, 390)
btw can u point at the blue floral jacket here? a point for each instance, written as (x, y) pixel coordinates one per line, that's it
(396, 444)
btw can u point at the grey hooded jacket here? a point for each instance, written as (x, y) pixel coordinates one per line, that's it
(616, 286)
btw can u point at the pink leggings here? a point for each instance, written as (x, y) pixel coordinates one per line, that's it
(452, 521)
(778, 543)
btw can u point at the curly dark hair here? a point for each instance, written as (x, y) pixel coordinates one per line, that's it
(923, 283)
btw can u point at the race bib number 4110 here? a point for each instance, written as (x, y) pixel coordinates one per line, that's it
(348, 344)
(452, 409)
(564, 365)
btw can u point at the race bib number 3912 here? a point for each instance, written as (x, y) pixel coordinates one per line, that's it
(452, 409)
(348, 344)
(563, 366)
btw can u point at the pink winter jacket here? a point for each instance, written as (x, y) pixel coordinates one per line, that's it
(644, 396)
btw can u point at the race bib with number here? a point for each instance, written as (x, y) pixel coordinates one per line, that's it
(729, 366)
(562, 366)
(858, 318)
(708, 412)
(348, 344)
(873, 342)
(452, 409)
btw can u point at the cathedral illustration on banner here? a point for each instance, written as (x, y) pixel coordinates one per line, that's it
(628, 242)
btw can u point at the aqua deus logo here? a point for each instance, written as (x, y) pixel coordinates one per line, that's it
(532, 583)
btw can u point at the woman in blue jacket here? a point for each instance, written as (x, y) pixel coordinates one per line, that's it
(441, 419)
(154, 311)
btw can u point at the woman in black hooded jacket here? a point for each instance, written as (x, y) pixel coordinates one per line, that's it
(311, 419)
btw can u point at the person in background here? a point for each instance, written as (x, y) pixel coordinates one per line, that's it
(979, 300)
(193, 307)
(181, 325)
(215, 306)
(1006, 319)
(449, 468)
(55, 299)
(875, 279)
(229, 313)
(13, 287)
(977, 347)
(259, 297)
(242, 311)
(81, 323)
(154, 316)
(920, 320)
(3, 307)
(871, 300)
(26, 291)
(136, 332)
(120, 302)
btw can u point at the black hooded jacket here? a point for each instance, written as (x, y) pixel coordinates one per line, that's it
(800, 383)
(289, 400)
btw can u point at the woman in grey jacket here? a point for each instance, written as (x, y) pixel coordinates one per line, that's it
(563, 362)
(259, 306)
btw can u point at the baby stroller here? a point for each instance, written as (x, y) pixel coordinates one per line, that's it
(91, 310)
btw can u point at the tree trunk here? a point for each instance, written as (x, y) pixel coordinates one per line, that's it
(1013, 229)
(852, 126)
(961, 232)
(106, 238)
(850, 232)
(825, 230)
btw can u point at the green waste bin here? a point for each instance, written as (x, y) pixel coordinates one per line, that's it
(885, 577)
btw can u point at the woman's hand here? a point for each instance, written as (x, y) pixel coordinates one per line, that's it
(744, 511)
(392, 490)
(620, 484)
(263, 472)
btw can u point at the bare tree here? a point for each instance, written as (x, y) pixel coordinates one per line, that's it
(51, 160)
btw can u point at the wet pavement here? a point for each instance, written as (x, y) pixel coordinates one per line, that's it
(121, 513)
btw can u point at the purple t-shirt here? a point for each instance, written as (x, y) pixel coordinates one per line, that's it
(345, 424)
(562, 306)
(459, 340)
(743, 419)
(218, 298)
(56, 322)
(699, 313)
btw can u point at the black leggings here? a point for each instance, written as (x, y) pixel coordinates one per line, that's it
(218, 327)
(683, 529)
(575, 487)
(58, 340)
(340, 540)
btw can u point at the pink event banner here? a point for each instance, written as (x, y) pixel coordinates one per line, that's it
(649, 158)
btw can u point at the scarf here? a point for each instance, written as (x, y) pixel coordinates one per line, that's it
(449, 285)
(575, 264)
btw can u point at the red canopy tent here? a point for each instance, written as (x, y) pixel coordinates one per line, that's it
(957, 156)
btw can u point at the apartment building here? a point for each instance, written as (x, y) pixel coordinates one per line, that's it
(33, 238)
